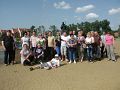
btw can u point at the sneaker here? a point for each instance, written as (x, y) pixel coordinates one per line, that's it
(81, 59)
(6, 64)
(75, 62)
(114, 60)
(61, 59)
(31, 69)
(67, 60)
(70, 61)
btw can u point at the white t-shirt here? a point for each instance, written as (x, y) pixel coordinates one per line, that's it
(64, 40)
(25, 40)
(24, 54)
(54, 62)
(33, 40)
(69, 37)
(89, 40)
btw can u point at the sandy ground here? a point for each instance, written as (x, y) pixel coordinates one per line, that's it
(103, 75)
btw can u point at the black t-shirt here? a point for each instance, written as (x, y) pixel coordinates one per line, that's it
(8, 42)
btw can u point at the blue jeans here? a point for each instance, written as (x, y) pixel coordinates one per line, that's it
(71, 54)
(90, 52)
(58, 50)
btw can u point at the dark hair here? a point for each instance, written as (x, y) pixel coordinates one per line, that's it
(71, 35)
(49, 31)
(9, 31)
(25, 33)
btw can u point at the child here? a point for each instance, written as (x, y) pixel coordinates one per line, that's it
(54, 63)
(39, 53)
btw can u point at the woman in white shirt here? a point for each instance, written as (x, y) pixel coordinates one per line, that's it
(25, 39)
(64, 40)
(89, 41)
(26, 55)
(33, 40)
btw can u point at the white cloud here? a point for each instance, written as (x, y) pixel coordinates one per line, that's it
(92, 16)
(62, 5)
(84, 8)
(114, 11)
(77, 18)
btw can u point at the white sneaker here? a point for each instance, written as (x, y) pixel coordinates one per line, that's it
(75, 62)
(70, 61)
(67, 60)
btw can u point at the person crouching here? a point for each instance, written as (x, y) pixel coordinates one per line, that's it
(38, 54)
(26, 55)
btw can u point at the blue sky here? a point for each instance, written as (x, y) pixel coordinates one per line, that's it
(25, 13)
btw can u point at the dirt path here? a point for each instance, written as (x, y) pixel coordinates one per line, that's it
(103, 75)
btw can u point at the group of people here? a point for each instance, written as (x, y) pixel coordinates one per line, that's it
(48, 50)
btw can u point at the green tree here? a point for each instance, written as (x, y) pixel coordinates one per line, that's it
(32, 28)
(95, 26)
(54, 29)
(105, 25)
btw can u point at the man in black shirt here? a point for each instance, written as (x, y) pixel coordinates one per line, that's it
(7, 44)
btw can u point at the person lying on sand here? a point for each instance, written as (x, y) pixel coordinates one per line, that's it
(54, 63)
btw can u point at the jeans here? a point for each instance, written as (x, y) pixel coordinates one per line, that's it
(57, 50)
(72, 54)
(90, 52)
(110, 52)
(80, 52)
(97, 52)
(10, 54)
(50, 52)
(103, 51)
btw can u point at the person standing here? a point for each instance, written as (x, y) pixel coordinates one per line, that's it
(89, 42)
(25, 39)
(14, 49)
(97, 43)
(109, 43)
(81, 46)
(51, 45)
(58, 44)
(64, 39)
(72, 48)
(41, 41)
(8, 44)
(103, 48)
(33, 40)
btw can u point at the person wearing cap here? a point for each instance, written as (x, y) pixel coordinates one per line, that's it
(8, 44)
(54, 63)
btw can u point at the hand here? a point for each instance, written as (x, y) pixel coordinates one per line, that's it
(4, 48)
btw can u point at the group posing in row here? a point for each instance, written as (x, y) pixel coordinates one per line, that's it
(48, 50)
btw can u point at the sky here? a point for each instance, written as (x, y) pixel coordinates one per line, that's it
(25, 13)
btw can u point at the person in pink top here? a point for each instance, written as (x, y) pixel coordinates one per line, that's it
(109, 42)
